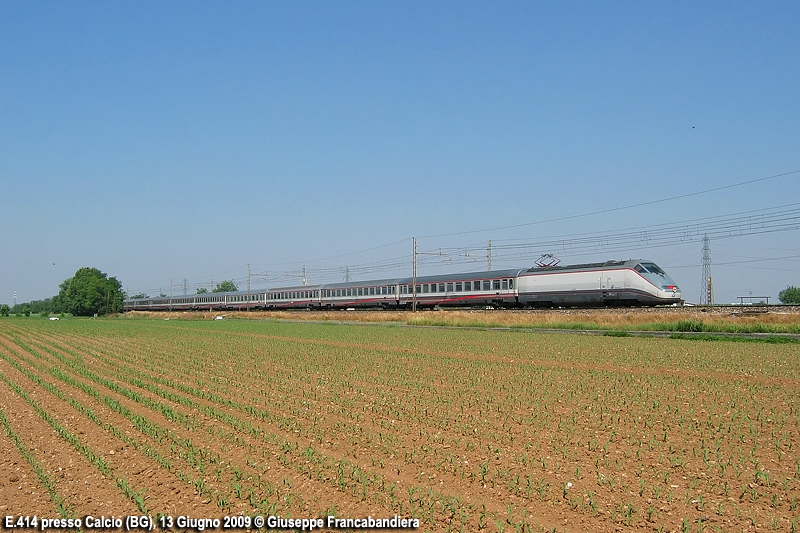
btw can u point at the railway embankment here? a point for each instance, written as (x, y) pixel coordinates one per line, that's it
(689, 321)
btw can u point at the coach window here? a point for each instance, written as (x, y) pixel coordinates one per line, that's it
(511, 283)
(487, 285)
(458, 287)
(433, 287)
(505, 284)
(495, 284)
(467, 285)
(450, 287)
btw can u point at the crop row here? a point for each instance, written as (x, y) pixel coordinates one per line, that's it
(474, 430)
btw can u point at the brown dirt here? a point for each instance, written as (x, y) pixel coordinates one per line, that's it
(254, 425)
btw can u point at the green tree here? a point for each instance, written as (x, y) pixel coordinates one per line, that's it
(139, 296)
(4, 310)
(790, 295)
(90, 292)
(226, 286)
(202, 290)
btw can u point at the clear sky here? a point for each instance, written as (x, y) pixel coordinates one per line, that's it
(163, 141)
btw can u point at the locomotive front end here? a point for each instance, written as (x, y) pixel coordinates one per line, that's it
(666, 290)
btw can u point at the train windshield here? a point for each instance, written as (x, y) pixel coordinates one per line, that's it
(650, 267)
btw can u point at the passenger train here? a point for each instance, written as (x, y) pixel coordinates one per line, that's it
(612, 284)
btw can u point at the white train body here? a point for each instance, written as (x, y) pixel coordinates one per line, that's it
(613, 283)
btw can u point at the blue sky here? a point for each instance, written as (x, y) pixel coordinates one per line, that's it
(186, 140)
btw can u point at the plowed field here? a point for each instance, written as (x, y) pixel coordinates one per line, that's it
(465, 430)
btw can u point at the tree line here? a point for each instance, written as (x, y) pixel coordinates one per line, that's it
(89, 292)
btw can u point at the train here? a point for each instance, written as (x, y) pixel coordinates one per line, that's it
(632, 282)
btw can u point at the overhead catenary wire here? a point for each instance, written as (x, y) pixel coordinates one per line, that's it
(512, 253)
(752, 222)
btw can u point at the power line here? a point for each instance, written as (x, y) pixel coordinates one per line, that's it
(615, 209)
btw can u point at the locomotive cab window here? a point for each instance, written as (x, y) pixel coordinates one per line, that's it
(652, 267)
